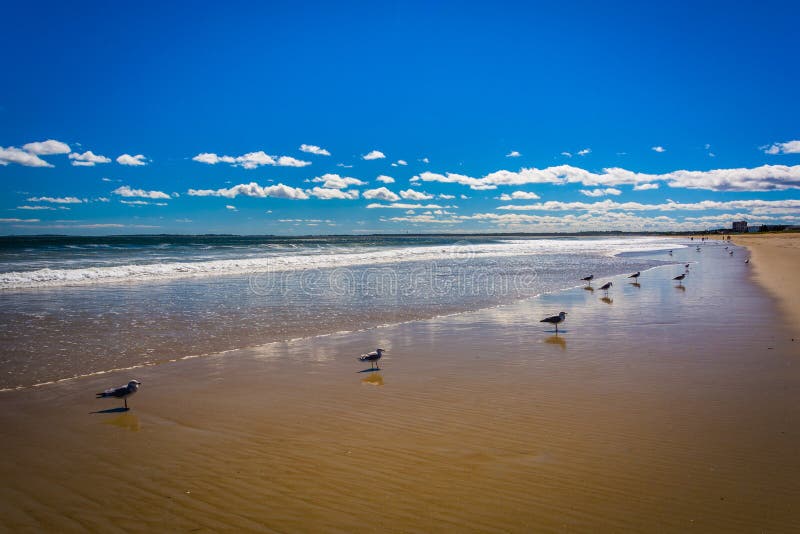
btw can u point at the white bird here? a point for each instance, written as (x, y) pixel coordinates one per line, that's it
(555, 319)
(372, 357)
(122, 392)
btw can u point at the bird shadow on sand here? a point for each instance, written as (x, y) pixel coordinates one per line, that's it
(121, 409)
(370, 370)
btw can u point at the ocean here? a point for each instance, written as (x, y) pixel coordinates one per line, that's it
(77, 306)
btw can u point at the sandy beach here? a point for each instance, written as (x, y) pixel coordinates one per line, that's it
(659, 407)
(775, 259)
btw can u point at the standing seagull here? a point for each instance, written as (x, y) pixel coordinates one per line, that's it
(588, 278)
(555, 319)
(605, 287)
(122, 392)
(680, 278)
(372, 358)
(635, 276)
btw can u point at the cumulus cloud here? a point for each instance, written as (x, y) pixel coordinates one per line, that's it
(402, 162)
(58, 200)
(425, 160)
(87, 159)
(411, 194)
(126, 191)
(405, 206)
(788, 206)
(287, 161)
(658, 149)
(601, 192)
(334, 181)
(789, 147)
(513, 154)
(385, 179)
(520, 195)
(375, 154)
(324, 193)
(764, 178)
(21, 157)
(381, 193)
(584, 152)
(253, 190)
(231, 208)
(251, 160)
(46, 148)
(314, 149)
(645, 187)
(134, 161)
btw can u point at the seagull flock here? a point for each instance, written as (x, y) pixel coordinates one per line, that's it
(123, 392)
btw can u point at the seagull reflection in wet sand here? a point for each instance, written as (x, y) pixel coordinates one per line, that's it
(374, 379)
(555, 339)
(607, 300)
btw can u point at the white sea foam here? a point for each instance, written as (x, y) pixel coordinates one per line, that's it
(322, 259)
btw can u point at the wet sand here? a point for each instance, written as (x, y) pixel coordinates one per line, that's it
(659, 408)
(775, 261)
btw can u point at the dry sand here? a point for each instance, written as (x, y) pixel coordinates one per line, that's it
(659, 408)
(776, 262)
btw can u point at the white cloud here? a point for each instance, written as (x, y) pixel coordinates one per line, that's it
(584, 152)
(19, 220)
(134, 161)
(58, 200)
(87, 159)
(251, 160)
(789, 147)
(404, 206)
(411, 194)
(231, 208)
(15, 155)
(764, 178)
(520, 195)
(253, 190)
(601, 192)
(567, 154)
(324, 193)
(381, 193)
(658, 149)
(645, 187)
(142, 203)
(334, 181)
(344, 166)
(47, 148)
(464, 197)
(375, 154)
(513, 154)
(126, 191)
(425, 160)
(424, 219)
(788, 206)
(37, 208)
(402, 162)
(385, 179)
(445, 197)
(287, 161)
(314, 149)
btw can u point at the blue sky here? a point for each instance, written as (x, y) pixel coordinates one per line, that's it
(625, 117)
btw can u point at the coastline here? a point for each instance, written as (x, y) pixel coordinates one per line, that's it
(657, 407)
(775, 259)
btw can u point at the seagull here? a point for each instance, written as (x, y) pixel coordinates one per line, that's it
(680, 278)
(731, 253)
(372, 357)
(588, 278)
(670, 253)
(555, 319)
(635, 276)
(122, 392)
(747, 260)
(605, 287)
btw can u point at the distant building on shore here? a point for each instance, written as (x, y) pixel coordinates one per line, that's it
(740, 226)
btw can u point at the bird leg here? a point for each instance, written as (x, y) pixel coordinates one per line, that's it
(126, 403)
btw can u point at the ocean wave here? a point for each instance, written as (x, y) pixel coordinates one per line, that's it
(305, 259)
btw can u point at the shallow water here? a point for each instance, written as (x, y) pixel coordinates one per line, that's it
(72, 321)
